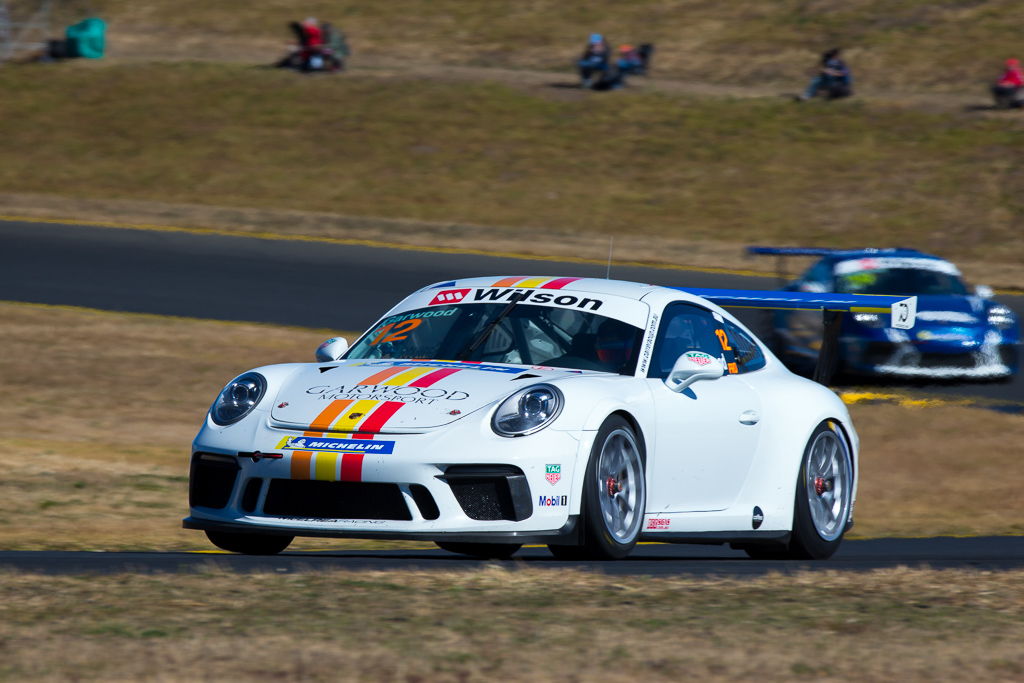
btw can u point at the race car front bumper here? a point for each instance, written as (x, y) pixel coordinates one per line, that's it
(428, 486)
(909, 360)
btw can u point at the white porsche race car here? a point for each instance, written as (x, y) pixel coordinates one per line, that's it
(583, 414)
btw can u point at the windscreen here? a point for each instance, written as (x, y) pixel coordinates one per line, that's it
(527, 334)
(899, 281)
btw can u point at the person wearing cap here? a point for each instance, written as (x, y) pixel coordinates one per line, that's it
(1007, 88)
(594, 60)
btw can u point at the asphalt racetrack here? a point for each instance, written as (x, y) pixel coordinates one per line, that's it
(651, 559)
(292, 282)
(346, 287)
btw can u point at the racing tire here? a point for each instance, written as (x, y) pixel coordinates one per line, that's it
(823, 499)
(249, 544)
(484, 551)
(614, 496)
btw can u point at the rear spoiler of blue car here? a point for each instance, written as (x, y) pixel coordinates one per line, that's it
(781, 252)
(903, 312)
(791, 251)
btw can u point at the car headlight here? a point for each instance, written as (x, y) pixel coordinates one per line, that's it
(527, 411)
(1000, 317)
(238, 398)
(869, 319)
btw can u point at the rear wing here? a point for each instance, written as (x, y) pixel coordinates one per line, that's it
(903, 312)
(780, 254)
(791, 251)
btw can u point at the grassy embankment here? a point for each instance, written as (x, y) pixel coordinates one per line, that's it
(915, 45)
(105, 414)
(534, 169)
(497, 624)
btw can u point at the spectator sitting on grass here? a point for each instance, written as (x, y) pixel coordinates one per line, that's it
(833, 78)
(594, 60)
(1007, 88)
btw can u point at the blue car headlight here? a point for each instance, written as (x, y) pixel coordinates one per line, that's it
(527, 411)
(1000, 317)
(869, 320)
(238, 398)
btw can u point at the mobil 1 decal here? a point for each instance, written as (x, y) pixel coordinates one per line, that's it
(509, 294)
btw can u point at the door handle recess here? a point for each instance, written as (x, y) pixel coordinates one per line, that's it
(750, 417)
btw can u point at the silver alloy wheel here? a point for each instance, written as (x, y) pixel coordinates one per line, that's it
(829, 485)
(620, 484)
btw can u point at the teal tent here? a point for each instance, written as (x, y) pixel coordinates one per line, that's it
(87, 38)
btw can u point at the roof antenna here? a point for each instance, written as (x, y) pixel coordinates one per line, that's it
(611, 242)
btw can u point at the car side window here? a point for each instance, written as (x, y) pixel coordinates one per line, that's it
(748, 354)
(685, 327)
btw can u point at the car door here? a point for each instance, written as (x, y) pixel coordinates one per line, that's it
(705, 437)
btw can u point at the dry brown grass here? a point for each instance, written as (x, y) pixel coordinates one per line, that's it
(102, 408)
(944, 45)
(537, 168)
(498, 624)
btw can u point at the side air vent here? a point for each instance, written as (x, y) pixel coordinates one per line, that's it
(490, 492)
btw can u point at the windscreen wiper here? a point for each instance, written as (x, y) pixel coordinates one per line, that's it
(486, 332)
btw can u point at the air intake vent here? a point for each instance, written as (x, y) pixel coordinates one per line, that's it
(211, 480)
(335, 500)
(490, 492)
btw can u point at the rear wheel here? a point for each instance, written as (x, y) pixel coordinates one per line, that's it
(614, 496)
(249, 544)
(486, 551)
(824, 496)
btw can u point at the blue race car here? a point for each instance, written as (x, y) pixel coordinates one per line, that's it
(958, 335)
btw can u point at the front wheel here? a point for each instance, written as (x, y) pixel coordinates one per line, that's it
(249, 544)
(614, 495)
(824, 497)
(485, 551)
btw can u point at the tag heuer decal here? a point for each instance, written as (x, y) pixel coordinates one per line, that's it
(552, 473)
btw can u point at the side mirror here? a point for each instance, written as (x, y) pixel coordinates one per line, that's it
(693, 366)
(332, 349)
(984, 291)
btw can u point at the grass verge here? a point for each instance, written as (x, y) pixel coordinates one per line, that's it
(101, 435)
(520, 625)
(914, 45)
(486, 154)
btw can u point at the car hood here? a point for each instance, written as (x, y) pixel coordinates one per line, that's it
(396, 395)
(942, 311)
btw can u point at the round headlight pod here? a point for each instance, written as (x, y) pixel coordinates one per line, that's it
(528, 410)
(238, 398)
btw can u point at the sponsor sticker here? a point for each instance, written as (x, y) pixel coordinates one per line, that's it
(383, 392)
(449, 296)
(758, 518)
(309, 443)
(645, 358)
(553, 473)
(552, 501)
(531, 296)
(658, 523)
(699, 358)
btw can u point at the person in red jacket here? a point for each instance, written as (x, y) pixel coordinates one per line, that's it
(1007, 88)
